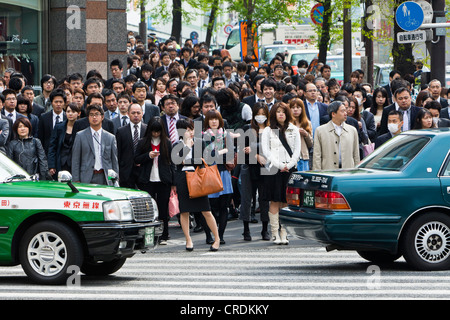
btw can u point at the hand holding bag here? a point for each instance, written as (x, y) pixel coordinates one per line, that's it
(174, 208)
(203, 181)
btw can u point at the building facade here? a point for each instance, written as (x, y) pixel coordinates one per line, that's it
(61, 37)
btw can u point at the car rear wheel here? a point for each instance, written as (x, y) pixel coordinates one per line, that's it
(47, 249)
(426, 242)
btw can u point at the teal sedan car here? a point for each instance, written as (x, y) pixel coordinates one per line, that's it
(395, 203)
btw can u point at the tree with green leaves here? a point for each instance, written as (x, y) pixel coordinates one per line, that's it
(258, 12)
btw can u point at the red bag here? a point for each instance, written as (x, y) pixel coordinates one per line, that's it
(174, 208)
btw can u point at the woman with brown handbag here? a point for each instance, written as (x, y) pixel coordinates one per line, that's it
(188, 158)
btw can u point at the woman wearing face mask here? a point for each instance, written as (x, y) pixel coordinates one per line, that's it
(250, 176)
(300, 120)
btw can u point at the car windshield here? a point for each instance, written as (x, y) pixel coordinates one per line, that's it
(396, 153)
(9, 170)
(270, 52)
(296, 57)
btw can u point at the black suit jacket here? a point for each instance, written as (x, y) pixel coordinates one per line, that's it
(166, 168)
(382, 139)
(83, 123)
(150, 111)
(46, 129)
(128, 171)
(384, 117)
(444, 113)
(323, 113)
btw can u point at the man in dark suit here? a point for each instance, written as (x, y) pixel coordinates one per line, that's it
(49, 119)
(259, 95)
(186, 60)
(83, 123)
(127, 138)
(170, 105)
(435, 89)
(436, 111)
(315, 111)
(404, 105)
(28, 93)
(395, 123)
(149, 110)
(165, 61)
(393, 75)
(116, 68)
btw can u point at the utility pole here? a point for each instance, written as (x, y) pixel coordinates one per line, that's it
(368, 41)
(437, 45)
(347, 41)
(143, 23)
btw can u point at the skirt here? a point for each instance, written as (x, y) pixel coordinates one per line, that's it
(225, 175)
(187, 204)
(274, 188)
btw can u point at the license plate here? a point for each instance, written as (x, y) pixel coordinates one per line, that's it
(308, 198)
(149, 238)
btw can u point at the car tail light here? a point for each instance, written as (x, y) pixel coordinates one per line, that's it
(330, 200)
(293, 196)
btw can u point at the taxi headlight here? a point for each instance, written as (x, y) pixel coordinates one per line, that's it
(155, 209)
(117, 211)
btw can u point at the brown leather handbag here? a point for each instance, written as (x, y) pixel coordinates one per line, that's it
(203, 181)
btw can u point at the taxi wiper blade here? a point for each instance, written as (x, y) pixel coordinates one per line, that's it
(14, 177)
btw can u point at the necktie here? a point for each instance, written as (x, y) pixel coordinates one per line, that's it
(135, 136)
(113, 115)
(98, 149)
(57, 120)
(172, 130)
(10, 115)
(124, 120)
(405, 120)
(203, 83)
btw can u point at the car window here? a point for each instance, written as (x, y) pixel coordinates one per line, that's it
(296, 57)
(234, 39)
(270, 52)
(446, 171)
(396, 153)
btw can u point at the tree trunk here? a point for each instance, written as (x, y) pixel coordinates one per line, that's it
(176, 24)
(325, 34)
(402, 53)
(212, 19)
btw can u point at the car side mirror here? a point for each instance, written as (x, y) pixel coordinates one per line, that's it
(113, 177)
(66, 177)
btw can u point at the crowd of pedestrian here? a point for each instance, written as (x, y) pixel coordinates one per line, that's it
(271, 121)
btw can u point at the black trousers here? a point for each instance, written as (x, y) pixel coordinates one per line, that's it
(161, 193)
(219, 208)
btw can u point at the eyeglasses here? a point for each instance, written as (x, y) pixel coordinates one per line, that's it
(94, 115)
(311, 90)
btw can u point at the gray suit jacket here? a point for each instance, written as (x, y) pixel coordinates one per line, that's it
(83, 155)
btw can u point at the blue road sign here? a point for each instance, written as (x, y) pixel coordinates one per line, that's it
(409, 16)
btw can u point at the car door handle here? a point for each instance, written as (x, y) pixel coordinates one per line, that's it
(448, 190)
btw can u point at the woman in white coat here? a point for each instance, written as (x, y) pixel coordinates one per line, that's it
(281, 146)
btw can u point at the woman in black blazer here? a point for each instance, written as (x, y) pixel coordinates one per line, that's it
(61, 142)
(157, 169)
(187, 159)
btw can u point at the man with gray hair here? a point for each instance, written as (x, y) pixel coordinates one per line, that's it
(336, 143)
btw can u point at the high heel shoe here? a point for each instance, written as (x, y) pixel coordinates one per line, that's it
(189, 248)
(213, 249)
